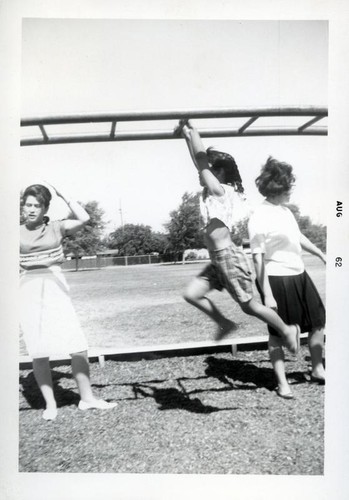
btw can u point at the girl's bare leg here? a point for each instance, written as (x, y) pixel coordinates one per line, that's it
(316, 343)
(277, 359)
(289, 333)
(42, 373)
(81, 372)
(195, 294)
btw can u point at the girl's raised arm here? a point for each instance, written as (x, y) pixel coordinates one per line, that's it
(81, 216)
(199, 156)
(183, 129)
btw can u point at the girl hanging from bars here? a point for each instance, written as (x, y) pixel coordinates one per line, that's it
(229, 267)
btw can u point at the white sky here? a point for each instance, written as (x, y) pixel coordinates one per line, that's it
(95, 65)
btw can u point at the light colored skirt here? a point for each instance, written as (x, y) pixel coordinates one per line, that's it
(48, 320)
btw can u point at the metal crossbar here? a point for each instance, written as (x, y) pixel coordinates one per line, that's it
(313, 115)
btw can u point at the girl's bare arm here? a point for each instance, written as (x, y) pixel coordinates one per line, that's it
(71, 226)
(200, 159)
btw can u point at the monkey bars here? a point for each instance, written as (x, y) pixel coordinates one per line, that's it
(307, 117)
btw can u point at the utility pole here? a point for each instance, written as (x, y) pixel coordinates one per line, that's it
(121, 218)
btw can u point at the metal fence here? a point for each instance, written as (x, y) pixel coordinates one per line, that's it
(98, 261)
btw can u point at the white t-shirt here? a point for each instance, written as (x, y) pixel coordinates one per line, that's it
(229, 208)
(274, 231)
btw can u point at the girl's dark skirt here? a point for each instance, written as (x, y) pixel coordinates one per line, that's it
(298, 302)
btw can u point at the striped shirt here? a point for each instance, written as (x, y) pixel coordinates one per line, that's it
(41, 247)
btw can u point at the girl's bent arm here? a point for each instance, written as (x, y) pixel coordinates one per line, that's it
(311, 248)
(263, 281)
(71, 226)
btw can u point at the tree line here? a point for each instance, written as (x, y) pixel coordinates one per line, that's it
(182, 232)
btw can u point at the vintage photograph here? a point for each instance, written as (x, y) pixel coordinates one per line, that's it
(173, 238)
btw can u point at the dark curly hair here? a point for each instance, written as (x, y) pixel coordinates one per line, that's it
(219, 160)
(276, 177)
(41, 193)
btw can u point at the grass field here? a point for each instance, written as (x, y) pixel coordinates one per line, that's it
(143, 305)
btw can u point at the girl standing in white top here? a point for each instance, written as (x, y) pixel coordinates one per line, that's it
(276, 245)
(229, 266)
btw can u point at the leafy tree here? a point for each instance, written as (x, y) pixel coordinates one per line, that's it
(184, 226)
(160, 242)
(239, 233)
(87, 241)
(136, 239)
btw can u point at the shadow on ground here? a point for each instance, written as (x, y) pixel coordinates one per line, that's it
(32, 394)
(231, 374)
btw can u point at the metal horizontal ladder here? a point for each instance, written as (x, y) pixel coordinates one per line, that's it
(308, 117)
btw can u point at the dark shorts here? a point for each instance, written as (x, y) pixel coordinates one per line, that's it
(230, 269)
(298, 301)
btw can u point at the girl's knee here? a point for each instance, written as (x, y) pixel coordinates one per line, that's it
(246, 307)
(196, 290)
(189, 296)
(275, 341)
(41, 361)
(78, 355)
(318, 331)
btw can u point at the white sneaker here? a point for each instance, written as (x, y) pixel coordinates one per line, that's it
(99, 404)
(50, 414)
